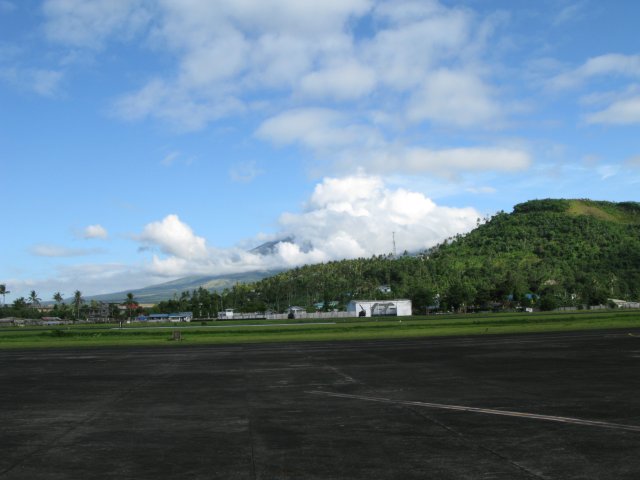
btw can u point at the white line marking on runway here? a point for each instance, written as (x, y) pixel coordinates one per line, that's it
(489, 411)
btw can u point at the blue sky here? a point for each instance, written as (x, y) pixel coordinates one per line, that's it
(142, 141)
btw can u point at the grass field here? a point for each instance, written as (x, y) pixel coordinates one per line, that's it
(309, 330)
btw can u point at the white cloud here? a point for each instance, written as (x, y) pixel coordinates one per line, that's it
(570, 13)
(466, 159)
(329, 133)
(418, 62)
(174, 238)
(341, 81)
(95, 231)
(175, 104)
(228, 49)
(47, 250)
(317, 128)
(344, 218)
(621, 112)
(607, 171)
(416, 36)
(41, 81)
(79, 23)
(229, 54)
(358, 214)
(612, 64)
(90, 279)
(454, 98)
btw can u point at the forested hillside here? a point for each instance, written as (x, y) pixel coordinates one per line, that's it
(547, 252)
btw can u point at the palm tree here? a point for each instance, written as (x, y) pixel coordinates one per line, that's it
(33, 299)
(77, 301)
(57, 297)
(130, 303)
(3, 292)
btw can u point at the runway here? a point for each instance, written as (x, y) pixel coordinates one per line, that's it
(536, 406)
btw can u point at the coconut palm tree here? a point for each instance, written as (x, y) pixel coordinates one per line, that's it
(57, 297)
(131, 304)
(34, 300)
(77, 301)
(3, 292)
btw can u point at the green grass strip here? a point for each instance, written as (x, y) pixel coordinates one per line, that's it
(343, 329)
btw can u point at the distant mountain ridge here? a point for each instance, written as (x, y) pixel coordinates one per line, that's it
(167, 290)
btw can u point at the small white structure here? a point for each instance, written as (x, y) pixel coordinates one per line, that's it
(226, 315)
(379, 308)
(624, 303)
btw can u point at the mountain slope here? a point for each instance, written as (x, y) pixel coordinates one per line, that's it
(566, 251)
(166, 291)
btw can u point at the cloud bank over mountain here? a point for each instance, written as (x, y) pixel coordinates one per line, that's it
(349, 217)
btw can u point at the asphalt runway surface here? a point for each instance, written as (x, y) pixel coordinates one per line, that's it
(539, 406)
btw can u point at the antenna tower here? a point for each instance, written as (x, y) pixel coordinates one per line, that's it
(393, 236)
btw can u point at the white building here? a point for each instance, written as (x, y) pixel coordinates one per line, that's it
(624, 303)
(379, 308)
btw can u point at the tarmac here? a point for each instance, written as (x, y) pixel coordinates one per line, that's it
(536, 406)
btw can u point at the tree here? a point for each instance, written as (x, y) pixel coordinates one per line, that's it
(57, 297)
(34, 300)
(3, 292)
(77, 302)
(20, 303)
(114, 311)
(131, 304)
(460, 294)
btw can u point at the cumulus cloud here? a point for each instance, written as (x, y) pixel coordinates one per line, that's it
(454, 98)
(328, 133)
(320, 129)
(95, 231)
(341, 81)
(359, 213)
(349, 217)
(345, 217)
(229, 54)
(174, 238)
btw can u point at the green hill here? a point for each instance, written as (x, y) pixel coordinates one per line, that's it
(548, 252)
